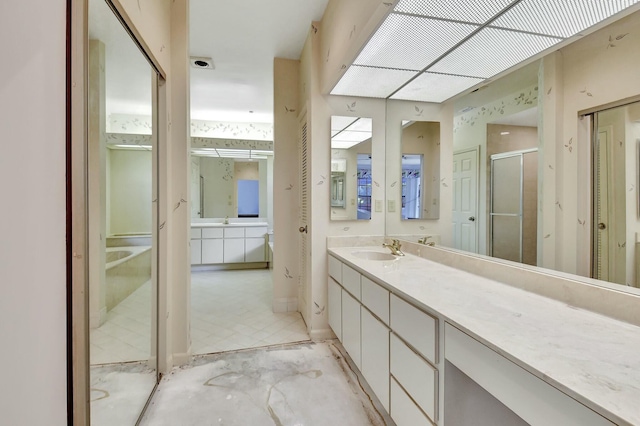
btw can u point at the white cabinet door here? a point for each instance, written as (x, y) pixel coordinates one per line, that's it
(233, 250)
(351, 327)
(335, 308)
(254, 250)
(196, 252)
(375, 356)
(212, 251)
(196, 233)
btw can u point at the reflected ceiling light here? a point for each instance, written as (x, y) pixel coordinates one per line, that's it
(131, 146)
(467, 41)
(350, 131)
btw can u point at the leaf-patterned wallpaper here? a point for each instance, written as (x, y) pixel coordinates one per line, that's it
(141, 125)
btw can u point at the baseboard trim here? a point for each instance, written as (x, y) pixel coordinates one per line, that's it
(322, 334)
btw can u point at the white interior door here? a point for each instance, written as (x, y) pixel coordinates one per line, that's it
(465, 200)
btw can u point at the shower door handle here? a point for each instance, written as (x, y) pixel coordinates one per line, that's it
(303, 229)
(602, 226)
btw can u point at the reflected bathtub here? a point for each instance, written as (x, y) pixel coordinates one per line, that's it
(127, 269)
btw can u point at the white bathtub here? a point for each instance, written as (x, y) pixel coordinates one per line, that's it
(127, 269)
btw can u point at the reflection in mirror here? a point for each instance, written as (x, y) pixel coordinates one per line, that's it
(420, 170)
(230, 182)
(616, 141)
(122, 278)
(351, 168)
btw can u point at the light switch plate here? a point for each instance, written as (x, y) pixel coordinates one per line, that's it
(391, 206)
(379, 206)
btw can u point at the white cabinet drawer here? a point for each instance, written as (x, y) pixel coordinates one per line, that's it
(403, 411)
(233, 232)
(415, 327)
(254, 250)
(335, 269)
(351, 328)
(196, 252)
(335, 307)
(211, 232)
(196, 233)
(351, 281)
(255, 231)
(415, 375)
(375, 298)
(375, 356)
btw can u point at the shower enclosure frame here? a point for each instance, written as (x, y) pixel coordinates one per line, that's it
(520, 214)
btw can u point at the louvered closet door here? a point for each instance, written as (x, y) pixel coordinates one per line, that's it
(304, 293)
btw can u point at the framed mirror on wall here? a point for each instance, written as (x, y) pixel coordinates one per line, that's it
(351, 168)
(122, 170)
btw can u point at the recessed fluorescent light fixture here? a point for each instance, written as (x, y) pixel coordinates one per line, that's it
(468, 41)
(504, 133)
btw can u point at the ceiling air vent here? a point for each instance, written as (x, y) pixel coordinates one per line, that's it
(201, 62)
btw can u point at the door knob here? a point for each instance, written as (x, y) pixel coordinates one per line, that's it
(472, 218)
(303, 229)
(602, 226)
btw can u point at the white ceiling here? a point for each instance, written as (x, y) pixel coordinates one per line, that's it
(243, 37)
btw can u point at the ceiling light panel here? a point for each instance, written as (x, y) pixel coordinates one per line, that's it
(339, 123)
(474, 11)
(561, 18)
(371, 82)
(411, 42)
(431, 87)
(362, 124)
(492, 51)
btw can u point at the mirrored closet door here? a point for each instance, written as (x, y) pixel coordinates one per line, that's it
(121, 171)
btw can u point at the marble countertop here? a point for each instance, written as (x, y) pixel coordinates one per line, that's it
(227, 225)
(590, 357)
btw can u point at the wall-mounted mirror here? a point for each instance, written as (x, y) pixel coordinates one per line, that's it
(351, 168)
(230, 178)
(121, 236)
(420, 170)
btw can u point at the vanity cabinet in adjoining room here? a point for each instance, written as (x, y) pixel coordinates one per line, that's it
(220, 244)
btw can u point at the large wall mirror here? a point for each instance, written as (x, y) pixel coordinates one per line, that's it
(230, 179)
(420, 170)
(351, 181)
(122, 173)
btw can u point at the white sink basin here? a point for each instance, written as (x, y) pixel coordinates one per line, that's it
(373, 255)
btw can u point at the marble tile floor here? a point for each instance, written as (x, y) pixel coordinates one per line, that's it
(232, 310)
(296, 384)
(126, 334)
(119, 392)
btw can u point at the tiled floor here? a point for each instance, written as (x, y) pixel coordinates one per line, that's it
(232, 310)
(126, 334)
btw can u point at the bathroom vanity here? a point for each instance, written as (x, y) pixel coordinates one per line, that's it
(438, 345)
(219, 243)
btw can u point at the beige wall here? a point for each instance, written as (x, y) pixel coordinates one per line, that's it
(130, 187)
(32, 183)
(286, 186)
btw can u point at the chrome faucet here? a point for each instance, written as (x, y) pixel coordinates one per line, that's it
(394, 247)
(425, 241)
